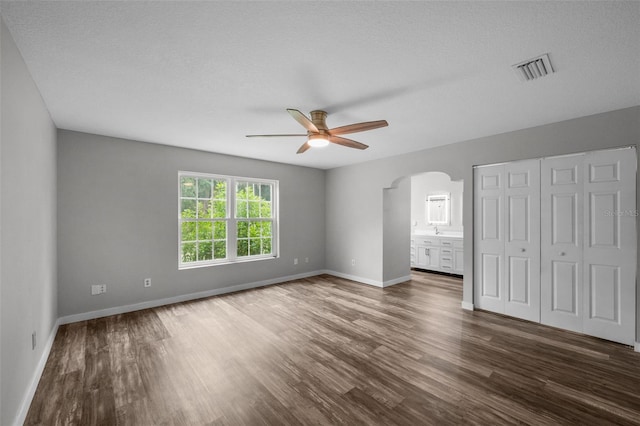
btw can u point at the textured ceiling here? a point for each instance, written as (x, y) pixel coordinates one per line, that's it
(203, 74)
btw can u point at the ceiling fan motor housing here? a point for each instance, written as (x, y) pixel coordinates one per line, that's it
(318, 118)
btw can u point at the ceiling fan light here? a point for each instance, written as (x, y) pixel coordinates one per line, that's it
(318, 141)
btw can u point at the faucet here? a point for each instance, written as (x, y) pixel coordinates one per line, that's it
(436, 229)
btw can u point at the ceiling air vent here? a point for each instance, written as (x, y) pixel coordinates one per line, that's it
(532, 69)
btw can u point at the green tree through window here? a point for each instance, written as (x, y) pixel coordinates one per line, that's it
(210, 233)
(253, 202)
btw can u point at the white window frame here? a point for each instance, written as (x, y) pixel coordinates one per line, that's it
(232, 221)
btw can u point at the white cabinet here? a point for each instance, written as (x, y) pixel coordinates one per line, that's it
(428, 257)
(458, 260)
(436, 253)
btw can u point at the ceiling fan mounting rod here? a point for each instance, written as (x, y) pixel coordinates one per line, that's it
(318, 118)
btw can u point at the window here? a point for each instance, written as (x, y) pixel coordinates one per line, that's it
(226, 219)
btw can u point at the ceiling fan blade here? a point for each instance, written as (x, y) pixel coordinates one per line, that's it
(358, 127)
(305, 146)
(347, 142)
(276, 136)
(302, 119)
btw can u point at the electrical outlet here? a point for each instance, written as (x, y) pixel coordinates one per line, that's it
(353, 262)
(98, 289)
(306, 260)
(33, 341)
(295, 261)
(147, 282)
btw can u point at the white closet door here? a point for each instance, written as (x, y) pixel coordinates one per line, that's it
(610, 245)
(489, 237)
(561, 242)
(522, 239)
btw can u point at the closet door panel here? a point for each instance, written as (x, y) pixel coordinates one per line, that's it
(522, 241)
(489, 238)
(561, 223)
(610, 248)
(564, 287)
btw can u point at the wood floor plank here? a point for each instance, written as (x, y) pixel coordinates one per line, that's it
(326, 350)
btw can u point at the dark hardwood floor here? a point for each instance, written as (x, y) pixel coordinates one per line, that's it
(329, 351)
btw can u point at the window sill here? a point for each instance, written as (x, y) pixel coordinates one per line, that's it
(206, 265)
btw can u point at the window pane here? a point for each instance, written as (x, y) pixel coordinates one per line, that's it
(254, 209)
(204, 188)
(243, 247)
(254, 246)
(241, 209)
(220, 190)
(243, 229)
(205, 230)
(188, 209)
(265, 209)
(220, 249)
(266, 229)
(266, 246)
(204, 209)
(219, 209)
(220, 230)
(254, 190)
(241, 190)
(187, 187)
(254, 229)
(189, 252)
(188, 231)
(265, 192)
(205, 251)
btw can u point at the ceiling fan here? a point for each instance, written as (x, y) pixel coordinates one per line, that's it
(320, 135)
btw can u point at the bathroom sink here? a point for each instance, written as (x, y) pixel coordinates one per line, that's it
(447, 234)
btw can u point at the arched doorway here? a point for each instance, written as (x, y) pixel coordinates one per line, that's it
(405, 214)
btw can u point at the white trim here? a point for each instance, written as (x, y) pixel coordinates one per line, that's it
(181, 298)
(37, 374)
(369, 281)
(356, 278)
(217, 291)
(396, 281)
(467, 306)
(636, 347)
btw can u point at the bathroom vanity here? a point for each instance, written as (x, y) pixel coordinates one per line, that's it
(438, 252)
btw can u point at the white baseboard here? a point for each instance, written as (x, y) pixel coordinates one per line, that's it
(37, 374)
(636, 347)
(355, 278)
(396, 281)
(467, 306)
(181, 298)
(369, 281)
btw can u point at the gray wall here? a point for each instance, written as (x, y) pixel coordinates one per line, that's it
(354, 221)
(355, 193)
(394, 222)
(2, 30)
(117, 221)
(28, 223)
